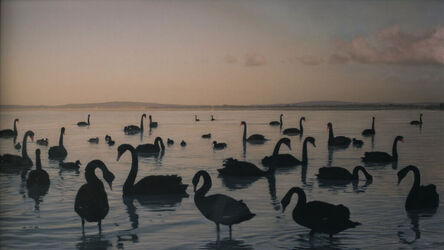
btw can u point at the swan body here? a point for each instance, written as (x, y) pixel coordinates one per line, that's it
(84, 124)
(170, 141)
(91, 202)
(219, 208)
(286, 160)
(255, 138)
(38, 178)
(133, 129)
(42, 142)
(295, 131)
(320, 217)
(16, 161)
(151, 148)
(233, 167)
(277, 123)
(416, 122)
(8, 133)
(383, 157)
(337, 141)
(206, 136)
(149, 185)
(70, 165)
(94, 140)
(338, 173)
(419, 197)
(58, 152)
(370, 131)
(18, 146)
(219, 145)
(152, 124)
(357, 143)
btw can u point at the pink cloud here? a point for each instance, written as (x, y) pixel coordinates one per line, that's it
(393, 46)
(254, 60)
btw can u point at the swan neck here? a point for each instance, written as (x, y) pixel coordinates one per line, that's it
(245, 132)
(90, 174)
(88, 120)
(301, 128)
(15, 127)
(417, 176)
(395, 150)
(330, 133)
(304, 152)
(24, 147)
(128, 186)
(302, 199)
(141, 123)
(61, 139)
(200, 193)
(38, 162)
(280, 120)
(373, 125)
(276, 148)
(356, 172)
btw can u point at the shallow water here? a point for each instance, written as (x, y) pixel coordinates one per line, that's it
(379, 206)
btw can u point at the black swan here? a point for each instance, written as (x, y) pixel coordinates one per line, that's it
(109, 140)
(37, 178)
(255, 139)
(42, 142)
(370, 131)
(219, 208)
(149, 185)
(295, 131)
(152, 124)
(183, 143)
(83, 124)
(286, 160)
(338, 173)
(382, 157)
(70, 165)
(195, 118)
(233, 167)
(338, 141)
(91, 202)
(357, 143)
(212, 118)
(58, 152)
(170, 141)
(206, 136)
(93, 140)
(7, 133)
(420, 197)
(18, 146)
(133, 129)
(417, 122)
(277, 123)
(319, 216)
(219, 145)
(15, 161)
(151, 148)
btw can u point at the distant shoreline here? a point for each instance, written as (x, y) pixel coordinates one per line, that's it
(116, 106)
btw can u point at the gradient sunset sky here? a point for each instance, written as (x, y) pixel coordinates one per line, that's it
(221, 52)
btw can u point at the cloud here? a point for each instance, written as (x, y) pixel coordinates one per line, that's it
(338, 59)
(230, 59)
(254, 60)
(393, 46)
(309, 60)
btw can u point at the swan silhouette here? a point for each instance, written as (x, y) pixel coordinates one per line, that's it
(383, 157)
(342, 174)
(93, 140)
(419, 197)
(149, 185)
(91, 202)
(16, 161)
(196, 119)
(277, 123)
(170, 141)
(83, 124)
(319, 216)
(219, 145)
(357, 143)
(38, 178)
(285, 160)
(70, 165)
(133, 129)
(416, 122)
(219, 208)
(42, 142)
(295, 131)
(370, 131)
(338, 141)
(149, 148)
(183, 143)
(8, 133)
(58, 152)
(212, 118)
(255, 138)
(206, 136)
(152, 124)
(233, 167)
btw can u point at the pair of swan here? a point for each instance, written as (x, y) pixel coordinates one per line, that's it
(295, 131)
(337, 141)
(370, 131)
(16, 161)
(383, 157)
(58, 152)
(84, 124)
(8, 133)
(133, 129)
(255, 138)
(286, 160)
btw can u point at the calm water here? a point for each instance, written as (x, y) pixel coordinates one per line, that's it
(165, 225)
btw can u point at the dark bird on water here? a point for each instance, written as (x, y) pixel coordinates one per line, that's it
(109, 140)
(149, 148)
(370, 131)
(93, 140)
(170, 141)
(383, 157)
(286, 160)
(149, 185)
(18, 146)
(419, 197)
(9, 161)
(233, 167)
(8, 133)
(337, 141)
(83, 124)
(91, 202)
(255, 138)
(319, 216)
(133, 129)
(219, 145)
(70, 165)
(38, 178)
(152, 124)
(206, 136)
(342, 174)
(219, 208)
(58, 152)
(357, 143)
(416, 122)
(183, 143)
(277, 123)
(295, 131)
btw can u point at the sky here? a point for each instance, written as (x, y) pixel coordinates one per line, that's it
(220, 52)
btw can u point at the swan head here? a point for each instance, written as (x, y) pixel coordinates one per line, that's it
(197, 176)
(286, 200)
(286, 141)
(144, 115)
(329, 125)
(30, 134)
(399, 138)
(303, 118)
(311, 140)
(16, 120)
(403, 172)
(243, 123)
(373, 118)
(214, 142)
(420, 114)
(78, 163)
(281, 115)
(62, 130)
(122, 148)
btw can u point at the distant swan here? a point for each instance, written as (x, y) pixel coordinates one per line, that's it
(255, 138)
(233, 167)
(38, 178)
(149, 185)
(219, 145)
(152, 124)
(338, 173)
(42, 142)
(94, 140)
(357, 143)
(70, 165)
(415, 122)
(371, 131)
(15, 161)
(8, 133)
(196, 119)
(338, 141)
(91, 202)
(295, 131)
(109, 140)
(170, 141)
(183, 143)
(286, 160)
(83, 124)
(206, 136)
(212, 118)
(219, 208)
(58, 152)
(133, 129)
(382, 157)
(277, 123)
(151, 148)
(319, 216)
(420, 197)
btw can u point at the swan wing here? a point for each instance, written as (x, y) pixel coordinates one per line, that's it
(226, 210)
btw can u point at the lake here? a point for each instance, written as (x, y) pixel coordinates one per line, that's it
(151, 224)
